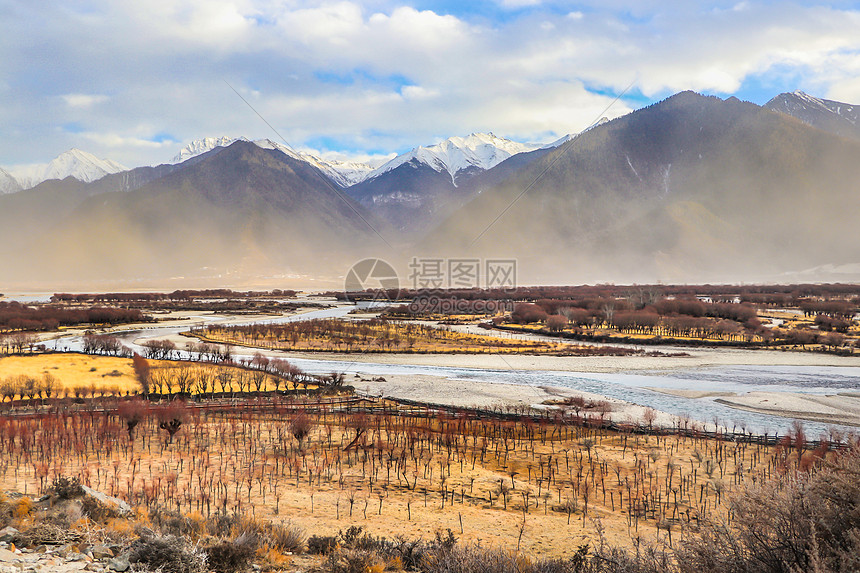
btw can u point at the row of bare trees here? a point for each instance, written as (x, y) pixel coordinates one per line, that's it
(17, 343)
(257, 374)
(29, 386)
(535, 467)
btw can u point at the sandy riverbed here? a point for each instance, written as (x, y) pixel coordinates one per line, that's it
(438, 390)
(843, 408)
(835, 409)
(698, 358)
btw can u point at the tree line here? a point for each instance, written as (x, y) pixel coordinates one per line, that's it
(16, 316)
(758, 294)
(185, 294)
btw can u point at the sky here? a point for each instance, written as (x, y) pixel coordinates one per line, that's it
(136, 81)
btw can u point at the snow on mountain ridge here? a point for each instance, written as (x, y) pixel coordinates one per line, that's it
(75, 163)
(808, 98)
(836, 117)
(200, 146)
(481, 150)
(8, 184)
(477, 150)
(343, 173)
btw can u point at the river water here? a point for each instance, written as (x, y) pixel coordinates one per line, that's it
(631, 387)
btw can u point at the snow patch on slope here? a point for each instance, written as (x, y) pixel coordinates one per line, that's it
(803, 106)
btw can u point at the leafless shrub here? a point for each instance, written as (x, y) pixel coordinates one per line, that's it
(344, 560)
(286, 537)
(232, 556)
(803, 523)
(321, 544)
(168, 554)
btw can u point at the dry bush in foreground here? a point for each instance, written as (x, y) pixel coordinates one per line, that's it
(806, 522)
(167, 554)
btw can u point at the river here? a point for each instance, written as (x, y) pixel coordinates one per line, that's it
(631, 386)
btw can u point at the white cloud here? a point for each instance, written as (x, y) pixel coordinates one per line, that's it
(84, 100)
(118, 142)
(381, 75)
(418, 92)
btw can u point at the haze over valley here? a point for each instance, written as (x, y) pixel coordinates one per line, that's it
(691, 189)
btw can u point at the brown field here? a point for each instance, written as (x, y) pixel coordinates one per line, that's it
(543, 485)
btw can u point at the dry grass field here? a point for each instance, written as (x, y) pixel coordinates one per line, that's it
(105, 373)
(538, 484)
(524, 484)
(82, 375)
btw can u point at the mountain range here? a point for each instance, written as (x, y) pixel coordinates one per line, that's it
(693, 188)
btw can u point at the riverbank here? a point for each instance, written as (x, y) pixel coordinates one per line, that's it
(472, 393)
(842, 408)
(696, 358)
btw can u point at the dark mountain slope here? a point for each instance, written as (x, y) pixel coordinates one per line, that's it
(413, 198)
(692, 188)
(243, 212)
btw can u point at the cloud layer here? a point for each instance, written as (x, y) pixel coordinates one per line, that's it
(135, 81)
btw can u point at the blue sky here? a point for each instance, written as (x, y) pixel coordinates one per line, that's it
(135, 82)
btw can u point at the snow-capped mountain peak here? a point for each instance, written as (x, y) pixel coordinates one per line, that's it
(808, 99)
(476, 150)
(480, 151)
(8, 184)
(200, 146)
(76, 163)
(81, 165)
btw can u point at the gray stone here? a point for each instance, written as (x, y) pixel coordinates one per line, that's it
(101, 552)
(119, 505)
(119, 564)
(8, 534)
